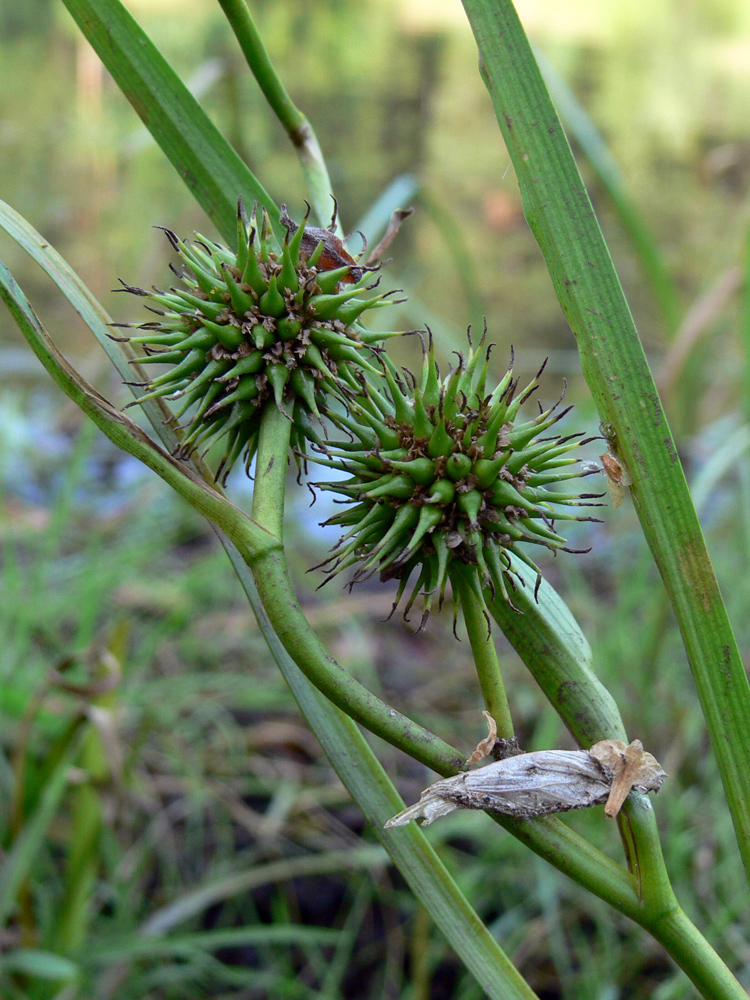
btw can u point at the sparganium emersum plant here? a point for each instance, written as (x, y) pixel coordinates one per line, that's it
(258, 323)
(446, 483)
(443, 473)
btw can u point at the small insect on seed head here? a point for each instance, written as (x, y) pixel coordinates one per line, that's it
(617, 477)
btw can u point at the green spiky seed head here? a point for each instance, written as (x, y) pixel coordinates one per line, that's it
(256, 324)
(444, 474)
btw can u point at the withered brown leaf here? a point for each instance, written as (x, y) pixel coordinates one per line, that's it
(543, 782)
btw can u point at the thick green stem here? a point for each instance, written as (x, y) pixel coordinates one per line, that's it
(271, 463)
(297, 126)
(695, 956)
(291, 626)
(551, 644)
(464, 580)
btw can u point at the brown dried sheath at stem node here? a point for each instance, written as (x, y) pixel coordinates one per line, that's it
(544, 782)
(492, 745)
(629, 766)
(485, 747)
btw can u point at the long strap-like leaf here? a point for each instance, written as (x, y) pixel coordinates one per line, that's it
(561, 218)
(197, 150)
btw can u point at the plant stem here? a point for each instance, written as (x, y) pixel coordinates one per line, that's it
(695, 956)
(291, 626)
(464, 580)
(550, 642)
(297, 126)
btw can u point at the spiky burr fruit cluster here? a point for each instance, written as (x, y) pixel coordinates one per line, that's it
(252, 325)
(444, 474)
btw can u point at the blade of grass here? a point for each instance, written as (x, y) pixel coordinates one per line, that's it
(133, 948)
(20, 858)
(562, 220)
(38, 964)
(209, 166)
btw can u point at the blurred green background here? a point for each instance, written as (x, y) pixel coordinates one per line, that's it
(214, 810)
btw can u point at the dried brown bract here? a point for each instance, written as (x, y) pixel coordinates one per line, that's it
(544, 782)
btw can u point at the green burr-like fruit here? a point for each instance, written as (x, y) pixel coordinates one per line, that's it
(443, 473)
(255, 325)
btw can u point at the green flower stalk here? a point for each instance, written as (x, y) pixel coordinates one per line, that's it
(254, 325)
(444, 474)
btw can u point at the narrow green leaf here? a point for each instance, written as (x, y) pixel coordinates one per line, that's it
(562, 220)
(133, 948)
(208, 165)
